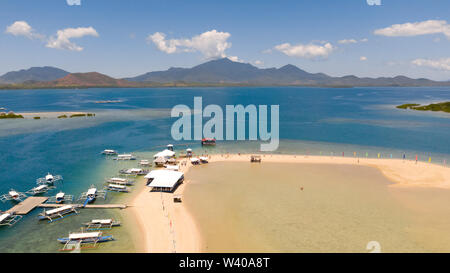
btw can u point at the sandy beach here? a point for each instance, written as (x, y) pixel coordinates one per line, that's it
(166, 226)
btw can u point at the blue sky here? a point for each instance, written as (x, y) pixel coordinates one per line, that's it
(118, 37)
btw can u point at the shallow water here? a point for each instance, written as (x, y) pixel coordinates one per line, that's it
(244, 207)
(312, 121)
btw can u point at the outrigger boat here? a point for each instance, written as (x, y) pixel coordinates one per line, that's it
(118, 188)
(84, 238)
(40, 189)
(145, 162)
(120, 181)
(109, 152)
(91, 195)
(125, 157)
(57, 213)
(101, 224)
(9, 219)
(133, 171)
(49, 179)
(60, 198)
(208, 141)
(13, 195)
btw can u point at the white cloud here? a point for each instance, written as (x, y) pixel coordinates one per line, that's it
(352, 41)
(440, 64)
(235, 59)
(363, 58)
(22, 28)
(62, 39)
(416, 28)
(309, 51)
(212, 44)
(347, 41)
(258, 62)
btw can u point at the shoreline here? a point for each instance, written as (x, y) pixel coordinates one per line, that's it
(166, 226)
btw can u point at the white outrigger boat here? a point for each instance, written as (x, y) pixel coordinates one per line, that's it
(97, 224)
(118, 188)
(13, 195)
(125, 157)
(110, 152)
(120, 181)
(9, 219)
(91, 195)
(49, 179)
(57, 213)
(80, 238)
(133, 171)
(60, 198)
(40, 189)
(145, 162)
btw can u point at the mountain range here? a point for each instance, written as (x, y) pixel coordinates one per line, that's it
(42, 74)
(215, 72)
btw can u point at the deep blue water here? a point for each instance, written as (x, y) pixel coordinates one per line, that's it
(332, 117)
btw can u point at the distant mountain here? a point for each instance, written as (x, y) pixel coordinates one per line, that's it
(225, 71)
(90, 79)
(34, 74)
(221, 72)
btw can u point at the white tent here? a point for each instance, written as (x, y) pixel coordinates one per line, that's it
(165, 154)
(164, 180)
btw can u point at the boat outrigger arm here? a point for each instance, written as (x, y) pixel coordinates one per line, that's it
(58, 213)
(83, 238)
(13, 195)
(43, 188)
(49, 179)
(9, 219)
(98, 224)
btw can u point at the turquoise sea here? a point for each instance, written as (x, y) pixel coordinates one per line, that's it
(312, 120)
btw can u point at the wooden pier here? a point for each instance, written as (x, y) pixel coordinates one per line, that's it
(27, 205)
(104, 206)
(33, 202)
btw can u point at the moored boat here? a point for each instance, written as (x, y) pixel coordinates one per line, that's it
(13, 195)
(57, 213)
(101, 224)
(118, 188)
(125, 157)
(109, 152)
(208, 141)
(86, 238)
(120, 181)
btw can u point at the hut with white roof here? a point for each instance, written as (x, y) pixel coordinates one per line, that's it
(164, 154)
(164, 180)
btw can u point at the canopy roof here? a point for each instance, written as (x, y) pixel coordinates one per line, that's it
(76, 236)
(166, 154)
(101, 221)
(92, 191)
(60, 195)
(164, 178)
(60, 209)
(4, 216)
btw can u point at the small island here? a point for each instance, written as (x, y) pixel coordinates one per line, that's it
(9, 115)
(441, 106)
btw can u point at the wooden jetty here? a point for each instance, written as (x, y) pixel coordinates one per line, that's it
(89, 206)
(27, 205)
